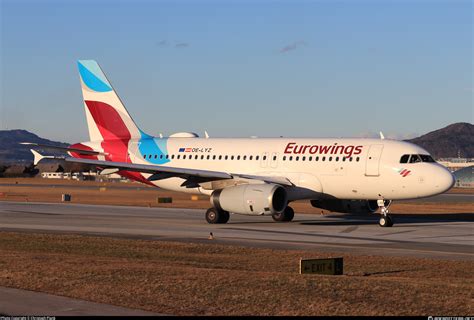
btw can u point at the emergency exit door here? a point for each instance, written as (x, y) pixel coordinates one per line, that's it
(372, 164)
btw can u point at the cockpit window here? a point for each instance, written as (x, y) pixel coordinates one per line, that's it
(426, 158)
(404, 158)
(415, 158)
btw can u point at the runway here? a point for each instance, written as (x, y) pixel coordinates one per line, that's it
(439, 236)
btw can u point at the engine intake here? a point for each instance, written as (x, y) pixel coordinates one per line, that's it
(252, 199)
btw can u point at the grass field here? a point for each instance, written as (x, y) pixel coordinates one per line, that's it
(212, 279)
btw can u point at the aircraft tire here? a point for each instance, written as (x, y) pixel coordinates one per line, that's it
(214, 216)
(284, 216)
(289, 214)
(223, 216)
(385, 221)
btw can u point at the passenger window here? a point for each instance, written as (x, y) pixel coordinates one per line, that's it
(220, 157)
(226, 157)
(214, 157)
(264, 158)
(323, 158)
(343, 159)
(414, 158)
(245, 157)
(250, 157)
(156, 156)
(317, 158)
(303, 158)
(297, 158)
(238, 157)
(291, 158)
(257, 157)
(357, 159)
(274, 158)
(202, 157)
(232, 158)
(337, 158)
(404, 158)
(179, 156)
(208, 157)
(310, 158)
(167, 156)
(161, 156)
(330, 159)
(172, 156)
(284, 158)
(195, 157)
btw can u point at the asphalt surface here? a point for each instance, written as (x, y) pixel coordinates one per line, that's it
(446, 236)
(16, 302)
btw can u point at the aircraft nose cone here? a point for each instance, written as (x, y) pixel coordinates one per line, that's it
(444, 180)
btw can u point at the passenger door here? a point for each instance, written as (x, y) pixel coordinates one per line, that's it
(372, 164)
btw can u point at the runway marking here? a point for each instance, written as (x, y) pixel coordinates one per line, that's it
(397, 232)
(33, 212)
(349, 229)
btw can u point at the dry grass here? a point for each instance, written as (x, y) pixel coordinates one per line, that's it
(213, 279)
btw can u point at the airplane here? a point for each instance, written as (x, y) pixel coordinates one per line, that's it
(252, 176)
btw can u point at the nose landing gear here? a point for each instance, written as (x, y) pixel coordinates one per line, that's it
(385, 219)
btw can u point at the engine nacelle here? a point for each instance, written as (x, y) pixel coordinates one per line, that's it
(347, 206)
(253, 199)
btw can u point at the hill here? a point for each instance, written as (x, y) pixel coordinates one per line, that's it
(11, 151)
(449, 142)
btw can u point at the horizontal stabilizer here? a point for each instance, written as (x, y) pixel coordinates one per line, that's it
(66, 149)
(38, 157)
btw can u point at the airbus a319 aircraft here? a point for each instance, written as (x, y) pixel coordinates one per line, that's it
(253, 176)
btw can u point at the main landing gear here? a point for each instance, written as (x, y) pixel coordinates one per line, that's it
(216, 216)
(284, 216)
(385, 219)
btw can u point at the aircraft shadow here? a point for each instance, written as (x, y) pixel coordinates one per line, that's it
(406, 218)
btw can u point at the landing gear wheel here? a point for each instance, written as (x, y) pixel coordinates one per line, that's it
(284, 216)
(289, 214)
(385, 221)
(214, 216)
(224, 216)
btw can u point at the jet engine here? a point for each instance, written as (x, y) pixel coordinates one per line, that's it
(347, 206)
(252, 199)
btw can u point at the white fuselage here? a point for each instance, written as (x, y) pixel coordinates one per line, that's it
(337, 168)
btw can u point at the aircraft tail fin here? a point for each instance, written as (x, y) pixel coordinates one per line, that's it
(107, 117)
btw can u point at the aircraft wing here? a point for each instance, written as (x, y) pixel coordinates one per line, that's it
(193, 176)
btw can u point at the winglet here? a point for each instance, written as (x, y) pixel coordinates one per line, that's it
(382, 136)
(37, 156)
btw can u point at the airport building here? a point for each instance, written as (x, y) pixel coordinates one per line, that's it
(464, 177)
(455, 164)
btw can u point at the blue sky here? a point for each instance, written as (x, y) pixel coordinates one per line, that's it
(242, 68)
